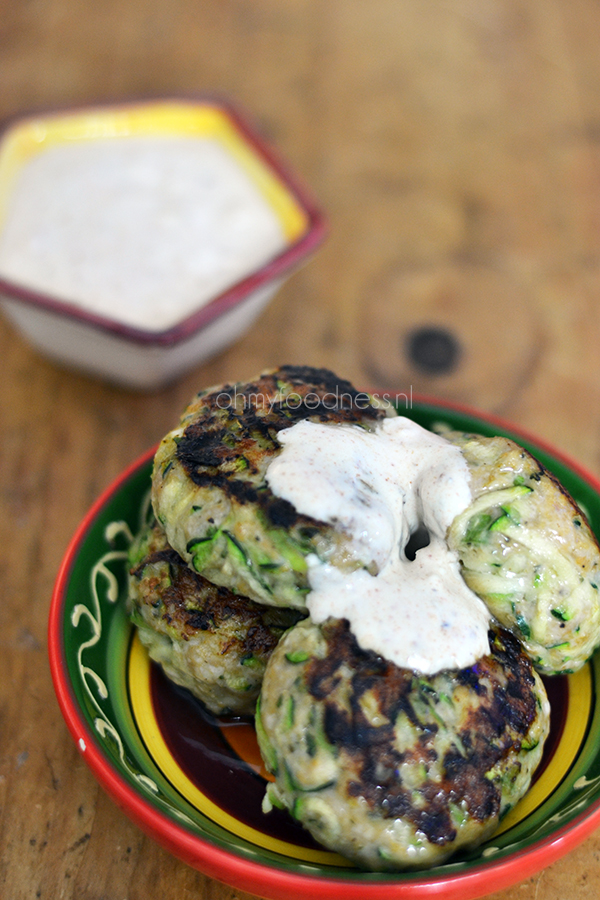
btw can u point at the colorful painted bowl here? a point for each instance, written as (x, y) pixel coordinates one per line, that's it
(195, 783)
(132, 352)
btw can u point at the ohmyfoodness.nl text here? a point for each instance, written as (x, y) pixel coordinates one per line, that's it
(330, 400)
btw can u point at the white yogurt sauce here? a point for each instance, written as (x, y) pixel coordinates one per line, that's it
(379, 487)
(144, 230)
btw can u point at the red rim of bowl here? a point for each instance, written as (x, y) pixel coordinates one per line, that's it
(286, 261)
(260, 877)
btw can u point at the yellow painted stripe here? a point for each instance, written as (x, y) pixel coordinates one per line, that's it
(143, 711)
(578, 714)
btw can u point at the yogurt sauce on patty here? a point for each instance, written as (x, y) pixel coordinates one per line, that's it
(379, 487)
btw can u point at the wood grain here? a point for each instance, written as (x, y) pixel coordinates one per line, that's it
(455, 145)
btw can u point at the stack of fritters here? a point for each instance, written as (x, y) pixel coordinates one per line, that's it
(389, 767)
(221, 573)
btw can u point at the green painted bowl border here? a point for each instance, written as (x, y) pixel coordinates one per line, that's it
(93, 696)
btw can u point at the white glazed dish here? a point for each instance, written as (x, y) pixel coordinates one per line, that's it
(127, 355)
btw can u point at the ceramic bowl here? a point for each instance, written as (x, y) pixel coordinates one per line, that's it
(195, 783)
(140, 357)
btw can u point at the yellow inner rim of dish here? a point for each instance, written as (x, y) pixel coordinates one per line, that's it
(32, 136)
(143, 711)
(579, 702)
(578, 710)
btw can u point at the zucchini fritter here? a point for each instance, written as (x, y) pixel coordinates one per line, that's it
(206, 639)
(527, 550)
(210, 494)
(389, 768)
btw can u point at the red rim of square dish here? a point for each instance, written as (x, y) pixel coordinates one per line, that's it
(285, 262)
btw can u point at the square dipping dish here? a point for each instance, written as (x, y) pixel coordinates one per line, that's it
(139, 239)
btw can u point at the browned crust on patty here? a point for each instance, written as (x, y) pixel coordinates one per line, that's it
(191, 604)
(233, 430)
(504, 685)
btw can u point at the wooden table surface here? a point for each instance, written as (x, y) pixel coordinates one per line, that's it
(455, 146)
